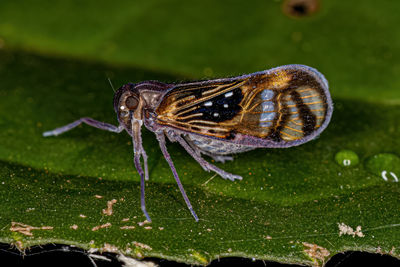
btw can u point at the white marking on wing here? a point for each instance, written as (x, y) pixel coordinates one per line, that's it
(229, 94)
(267, 116)
(267, 94)
(267, 106)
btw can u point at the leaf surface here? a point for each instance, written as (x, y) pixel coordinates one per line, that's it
(295, 205)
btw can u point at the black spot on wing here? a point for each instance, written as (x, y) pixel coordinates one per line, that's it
(231, 135)
(306, 115)
(220, 108)
(275, 135)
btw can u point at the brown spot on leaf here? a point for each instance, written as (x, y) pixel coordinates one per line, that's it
(141, 245)
(316, 253)
(26, 229)
(127, 227)
(109, 210)
(300, 8)
(143, 223)
(106, 225)
(109, 248)
(347, 230)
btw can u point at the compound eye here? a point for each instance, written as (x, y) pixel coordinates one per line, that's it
(131, 102)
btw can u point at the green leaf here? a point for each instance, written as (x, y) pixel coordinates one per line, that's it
(288, 199)
(295, 205)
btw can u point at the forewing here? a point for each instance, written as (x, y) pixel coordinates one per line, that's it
(206, 108)
(282, 106)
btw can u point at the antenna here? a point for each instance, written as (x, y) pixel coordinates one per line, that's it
(109, 80)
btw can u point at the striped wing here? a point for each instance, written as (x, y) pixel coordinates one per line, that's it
(281, 105)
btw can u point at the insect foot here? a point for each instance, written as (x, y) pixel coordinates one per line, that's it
(230, 176)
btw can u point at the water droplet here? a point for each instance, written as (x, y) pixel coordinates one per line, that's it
(347, 158)
(384, 165)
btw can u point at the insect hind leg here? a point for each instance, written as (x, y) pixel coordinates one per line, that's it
(218, 158)
(198, 151)
(161, 141)
(203, 163)
(89, 121)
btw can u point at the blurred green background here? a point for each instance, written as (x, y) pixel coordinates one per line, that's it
(56, 56)
(353, 43)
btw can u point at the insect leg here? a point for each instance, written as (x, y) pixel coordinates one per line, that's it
(139, 169)
(139, 151)
(88, 121)
(161, 140)
(146, 169)
(203, 163)
(218, 158)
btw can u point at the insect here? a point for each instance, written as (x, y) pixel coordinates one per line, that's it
(281, 107)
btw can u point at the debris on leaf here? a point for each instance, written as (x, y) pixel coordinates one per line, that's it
(109, 210)
(347, 230)
(316, 253)
(106, 225)
(26, 229)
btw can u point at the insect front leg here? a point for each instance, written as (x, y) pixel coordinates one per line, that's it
(138, 151)
(89, 121)
(203, 163)
(136, 160)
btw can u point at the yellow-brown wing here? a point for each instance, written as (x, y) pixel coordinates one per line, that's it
(283, 104)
